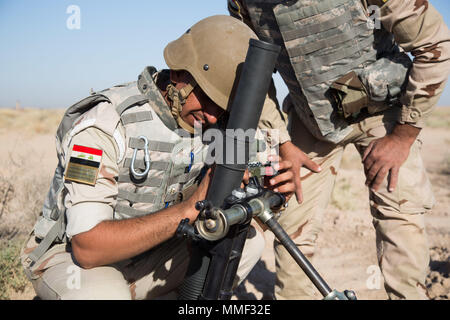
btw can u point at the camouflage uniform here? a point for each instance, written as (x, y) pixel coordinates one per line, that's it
(374, 86)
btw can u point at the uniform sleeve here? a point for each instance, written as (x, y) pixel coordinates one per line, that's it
(88, 205)
(272, 118)
(418, 28)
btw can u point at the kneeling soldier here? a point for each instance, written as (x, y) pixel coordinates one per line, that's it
(122, 184)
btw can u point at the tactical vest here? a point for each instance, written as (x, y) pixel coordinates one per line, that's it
(323, 40)
(176, 158)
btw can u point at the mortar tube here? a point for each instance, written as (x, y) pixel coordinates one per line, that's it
(245, 112)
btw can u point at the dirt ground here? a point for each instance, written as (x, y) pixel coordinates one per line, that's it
(345, 256)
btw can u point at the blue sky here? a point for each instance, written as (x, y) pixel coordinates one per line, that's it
(45, 64)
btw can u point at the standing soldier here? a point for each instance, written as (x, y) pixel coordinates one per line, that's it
(351, 82)
(128, 173)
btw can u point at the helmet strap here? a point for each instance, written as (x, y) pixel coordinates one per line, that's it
(178, 98)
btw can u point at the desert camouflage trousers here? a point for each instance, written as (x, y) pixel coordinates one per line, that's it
(398, 217)
(154, 274)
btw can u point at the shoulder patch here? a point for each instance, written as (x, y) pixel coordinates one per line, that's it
(83, 165)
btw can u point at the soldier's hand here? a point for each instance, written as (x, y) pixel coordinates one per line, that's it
(297, 158)
(386, 155)
(198, 195)
(283, 182)
(245, 179)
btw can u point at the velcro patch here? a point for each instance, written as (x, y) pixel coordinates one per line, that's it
(84, 165)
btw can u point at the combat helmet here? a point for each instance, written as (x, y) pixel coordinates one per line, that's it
(211, 51)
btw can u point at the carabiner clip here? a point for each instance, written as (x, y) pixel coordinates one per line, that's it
(146, 160)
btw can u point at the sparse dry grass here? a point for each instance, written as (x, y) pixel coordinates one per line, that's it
(22, 192)
(440, 118)
(12, 278)
(34, 121)
(26, 163)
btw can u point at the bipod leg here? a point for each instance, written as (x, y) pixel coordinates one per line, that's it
(305, 265)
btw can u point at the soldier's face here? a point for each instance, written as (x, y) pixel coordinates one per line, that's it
(199, 107)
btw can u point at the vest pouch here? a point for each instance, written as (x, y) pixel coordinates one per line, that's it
(349, 95)
(191, 186)
(49, 232)
(53, 207)
(43, 226)
(187, 189)
(386, 78)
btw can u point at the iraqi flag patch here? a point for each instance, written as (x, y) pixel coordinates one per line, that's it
(84, 165)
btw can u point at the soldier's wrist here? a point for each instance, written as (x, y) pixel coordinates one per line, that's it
(406, 132)
(286, 146)
(188, 210)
